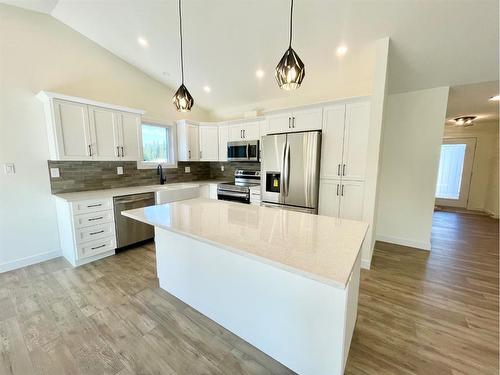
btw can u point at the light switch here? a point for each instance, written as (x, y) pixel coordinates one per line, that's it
(119, 170)
(54, 172)
(187, 169)
(9, 168)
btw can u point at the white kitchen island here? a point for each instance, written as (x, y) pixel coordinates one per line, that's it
(286, 282)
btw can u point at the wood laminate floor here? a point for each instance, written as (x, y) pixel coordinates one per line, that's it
(419, 313)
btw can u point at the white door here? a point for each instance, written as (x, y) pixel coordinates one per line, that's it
(455, 171)
(280, 123)
(329, 197)
(209, 143)
(223, 139)
(105, 131)
(332, 141)
(357, 124)
(235, 133)
(308, 119)
(130, 126)
(251, 131)
(194, 144)
(351, 200)
(72, 130)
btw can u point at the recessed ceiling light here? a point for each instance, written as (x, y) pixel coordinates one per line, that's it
(143, 42)
(495, 98)
(465, 120)
(207, 88)
(259, 73)
(341, 51)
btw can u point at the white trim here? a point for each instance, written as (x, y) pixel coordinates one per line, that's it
(366, 264)
(422, 245)
(141, 164)
(47, 95)
(27, 261)
(491, 213)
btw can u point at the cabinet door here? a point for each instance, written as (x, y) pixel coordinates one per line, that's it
(105, 132)
(357, 123)
(209, 143)
(223, 139)
(193, 141)
(308, 119)
(329, 197)
(251, 131)
(72, 131)
(281, 123)
(235, 133)
(351, 200)
(332, 141)
(129, 136)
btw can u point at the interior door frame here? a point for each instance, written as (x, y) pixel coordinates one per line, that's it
(470, 155)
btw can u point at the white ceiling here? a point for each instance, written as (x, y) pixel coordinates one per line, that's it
(433, 42)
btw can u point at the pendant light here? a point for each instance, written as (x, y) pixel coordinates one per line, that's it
(290, 71)
(182, 99)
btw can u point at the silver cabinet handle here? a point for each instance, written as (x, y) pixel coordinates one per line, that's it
(94, 205)
(343, 170)
(96, 218)
(293, 122)
(189, 153)
(337, 189)
(289, 122)
(241, 133)
(342, 190)
(122, 152)
(93, 233)
(244, 135)
(98, 247)
(118, 151)
(338, 170)
(90, 150)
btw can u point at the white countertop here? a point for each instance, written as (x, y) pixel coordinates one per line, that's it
(318, 247)
(110, 193)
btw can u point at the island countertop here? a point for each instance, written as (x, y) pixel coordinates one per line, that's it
(318, 247)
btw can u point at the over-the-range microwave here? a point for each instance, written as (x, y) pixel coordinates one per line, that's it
(243, 151)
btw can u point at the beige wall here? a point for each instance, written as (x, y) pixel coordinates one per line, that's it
(412, 135)
(482, 187)
(39, 53)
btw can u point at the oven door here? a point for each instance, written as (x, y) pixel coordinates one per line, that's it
(235, 196)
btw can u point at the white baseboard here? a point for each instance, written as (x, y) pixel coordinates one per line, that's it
(27, 261)
(423, 245)
(492, 214)
(365, 264)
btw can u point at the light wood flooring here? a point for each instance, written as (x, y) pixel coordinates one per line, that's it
(419, 313)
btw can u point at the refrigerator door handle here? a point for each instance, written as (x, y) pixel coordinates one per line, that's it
(287, 168)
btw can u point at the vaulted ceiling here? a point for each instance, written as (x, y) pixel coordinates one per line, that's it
(433, 42)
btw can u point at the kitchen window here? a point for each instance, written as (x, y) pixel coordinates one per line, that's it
(157, 141)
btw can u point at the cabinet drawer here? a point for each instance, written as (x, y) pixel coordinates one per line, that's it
(91, 248)
(94, 232)
(92, 205)
(94, 218)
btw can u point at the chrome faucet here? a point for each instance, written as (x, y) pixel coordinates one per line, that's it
(159, 171)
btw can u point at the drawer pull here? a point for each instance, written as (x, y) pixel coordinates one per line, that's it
(92, 233)
(96, 218)
(98, 247)
(94, 205)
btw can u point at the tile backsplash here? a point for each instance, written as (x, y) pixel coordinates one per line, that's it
(96, 175)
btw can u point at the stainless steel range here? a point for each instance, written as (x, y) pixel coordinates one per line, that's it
(239, 190)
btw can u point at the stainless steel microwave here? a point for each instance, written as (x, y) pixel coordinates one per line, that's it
(243, 151)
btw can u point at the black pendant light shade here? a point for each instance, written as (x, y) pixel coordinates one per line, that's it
(290, 71)
(182, 99)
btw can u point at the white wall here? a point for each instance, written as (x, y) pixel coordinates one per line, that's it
(413, 131)
(485, 163)
(37, 53)
(491, 201)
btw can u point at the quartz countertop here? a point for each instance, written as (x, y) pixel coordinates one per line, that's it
(321, 248)
(116, 192)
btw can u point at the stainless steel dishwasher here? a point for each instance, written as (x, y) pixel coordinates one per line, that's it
(129, 231)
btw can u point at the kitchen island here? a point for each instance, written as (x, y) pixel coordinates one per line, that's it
(286, 282)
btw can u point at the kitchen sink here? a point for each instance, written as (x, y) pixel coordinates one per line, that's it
(177, 192)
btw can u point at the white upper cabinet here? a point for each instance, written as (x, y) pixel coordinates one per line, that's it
(357, 123)
(332, 141)
(82, 129)
(69, 132)
(223, 139)
(296, 121)
(247, 131)
(209, 142)
(188, 141)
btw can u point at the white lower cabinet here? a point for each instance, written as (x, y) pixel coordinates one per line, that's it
(86, 229)
(340, 198)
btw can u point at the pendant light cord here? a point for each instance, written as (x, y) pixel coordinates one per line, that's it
(291, 22)
(180, 33)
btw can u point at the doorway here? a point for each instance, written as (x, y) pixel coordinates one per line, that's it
(455, 172)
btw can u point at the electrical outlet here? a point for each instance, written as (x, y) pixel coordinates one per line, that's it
(119, 170)
(54, 173)
(187, 169)
(222, 168)
(9, 168)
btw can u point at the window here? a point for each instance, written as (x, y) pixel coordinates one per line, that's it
(157, 145)
(451, 166)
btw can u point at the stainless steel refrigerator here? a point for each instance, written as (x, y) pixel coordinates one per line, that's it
(290, 171)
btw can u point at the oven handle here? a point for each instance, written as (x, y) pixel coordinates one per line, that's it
(233, 194)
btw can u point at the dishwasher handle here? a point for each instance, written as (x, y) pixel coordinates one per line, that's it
(134, 200)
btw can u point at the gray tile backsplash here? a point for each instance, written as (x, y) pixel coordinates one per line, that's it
(96, 175)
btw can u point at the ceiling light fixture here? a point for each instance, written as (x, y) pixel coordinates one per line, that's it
(259, 73)
(182, 99)
(143, 42)
(341, 51)
(290, 71)
(465, 120)
(495, 98)
(207, 88)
